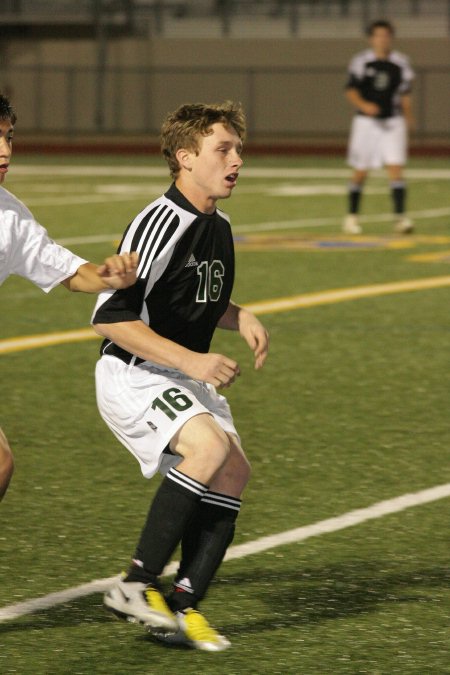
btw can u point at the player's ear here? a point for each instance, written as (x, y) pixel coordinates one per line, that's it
(184, 158)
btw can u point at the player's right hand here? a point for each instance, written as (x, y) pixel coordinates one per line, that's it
(215, 369)
(371, 109)
(119, 271)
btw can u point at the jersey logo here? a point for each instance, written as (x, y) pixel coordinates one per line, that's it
(152, 426)
(192, 261)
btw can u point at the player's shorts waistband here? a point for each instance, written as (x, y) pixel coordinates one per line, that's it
(111, 349)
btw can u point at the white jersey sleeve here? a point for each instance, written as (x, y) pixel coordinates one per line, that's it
(27, 250)
(408, 74)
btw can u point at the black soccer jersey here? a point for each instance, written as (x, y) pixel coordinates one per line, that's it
(185, 274)
(381, 81)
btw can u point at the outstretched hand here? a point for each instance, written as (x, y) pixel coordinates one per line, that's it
(119, 271)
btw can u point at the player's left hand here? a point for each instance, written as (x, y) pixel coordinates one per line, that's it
(119, 271)
(255, 335)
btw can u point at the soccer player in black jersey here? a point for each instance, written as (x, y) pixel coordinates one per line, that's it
(156, 379)
(379, 88)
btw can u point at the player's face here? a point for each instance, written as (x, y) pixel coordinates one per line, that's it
(6, 135)
(381, 41)
(213, 172)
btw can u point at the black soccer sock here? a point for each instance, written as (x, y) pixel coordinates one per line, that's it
(398, 193)
(169, 514)
(354, 197)
(209, 533)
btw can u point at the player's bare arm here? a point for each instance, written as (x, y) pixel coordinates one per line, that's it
(406, 104)
(137, 338)
(357, 101)
(250, 328)
(6, 464)
(117, 271)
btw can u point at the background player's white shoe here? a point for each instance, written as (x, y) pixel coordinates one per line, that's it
(140, 603)
(351, 225)
(404, 225)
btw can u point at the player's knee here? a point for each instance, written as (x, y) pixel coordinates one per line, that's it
(203, 445)
(211, 451)
(215, 450)
(237, 472)
(245, 470)
(234, 474)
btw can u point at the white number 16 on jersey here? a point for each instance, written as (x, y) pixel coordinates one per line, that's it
(210, 280)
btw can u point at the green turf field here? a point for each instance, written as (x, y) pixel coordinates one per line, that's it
(351, 409)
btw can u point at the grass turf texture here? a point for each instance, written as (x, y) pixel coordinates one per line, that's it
(350, 409)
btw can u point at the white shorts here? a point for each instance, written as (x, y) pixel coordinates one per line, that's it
(145, 406)
(374, 143)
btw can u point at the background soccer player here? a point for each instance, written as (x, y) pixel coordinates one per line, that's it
(379, 87)
(156, 380)
(27, 250)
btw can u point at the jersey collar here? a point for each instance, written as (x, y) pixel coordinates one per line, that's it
(174, 194)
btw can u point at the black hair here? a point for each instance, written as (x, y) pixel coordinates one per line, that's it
(381, 23)
(7, 112)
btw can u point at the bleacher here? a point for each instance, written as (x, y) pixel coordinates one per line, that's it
(228, 18)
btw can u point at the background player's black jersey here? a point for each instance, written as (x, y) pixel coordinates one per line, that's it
(185, 274)
(381, 81)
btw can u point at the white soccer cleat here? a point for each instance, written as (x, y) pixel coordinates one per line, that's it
(351, 225)
(137, 602)
(194, 631)
(404, 225)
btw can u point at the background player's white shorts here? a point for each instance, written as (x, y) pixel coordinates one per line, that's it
(144, 406)
(374, 143)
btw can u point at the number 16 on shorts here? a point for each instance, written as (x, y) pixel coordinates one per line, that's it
(173, 406)
(172, 402)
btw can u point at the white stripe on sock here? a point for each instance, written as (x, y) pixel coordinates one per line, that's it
(222, 500)
(186, 482)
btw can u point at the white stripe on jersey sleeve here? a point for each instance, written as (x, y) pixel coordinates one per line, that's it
(408, 74)
(156, 240)
(149, 265)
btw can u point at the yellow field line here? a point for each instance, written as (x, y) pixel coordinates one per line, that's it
(20, 344)
(345, 294)
(286, 304)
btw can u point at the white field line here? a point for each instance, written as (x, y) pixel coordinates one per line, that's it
(113, 170)
(264, 307)
(299, 224)
(91, 239)
(330, 525)
(80, 200)
(322, 222)
(125, 192)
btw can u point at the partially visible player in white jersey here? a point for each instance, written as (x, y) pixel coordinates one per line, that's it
(379, 88)
(157, 379)
(27, 250)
